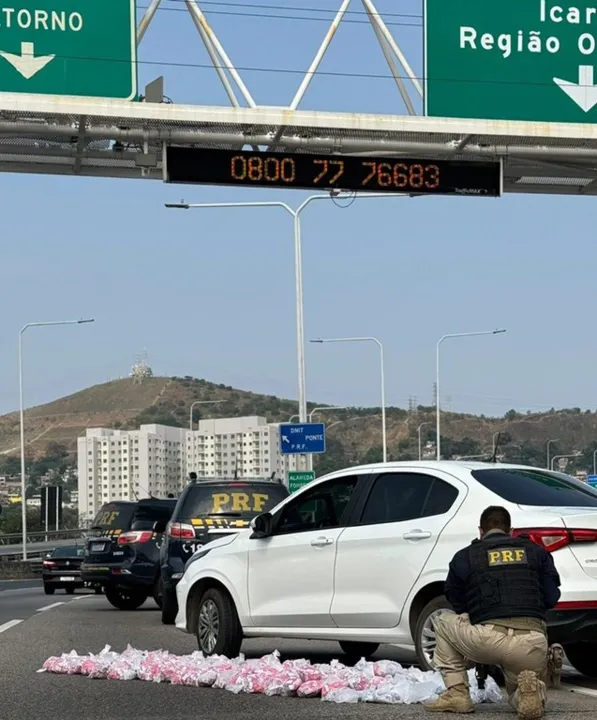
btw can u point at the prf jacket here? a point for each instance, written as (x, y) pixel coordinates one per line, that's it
(502, 577)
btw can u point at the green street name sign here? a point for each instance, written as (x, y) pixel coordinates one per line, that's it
(528, 60)
(297, 480)
(69, 47)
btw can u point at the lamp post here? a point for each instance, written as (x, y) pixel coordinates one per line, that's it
(437, 377)
(422, 425)
(549, 442)
(595, 462)
(382, 378)
(327, 407)
(22, 417)
(561, 457)
(201, 402)
(298, 273)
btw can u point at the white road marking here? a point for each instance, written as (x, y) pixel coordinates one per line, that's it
(81, 597)
(9, 624)
(583, 691)
(49, 607)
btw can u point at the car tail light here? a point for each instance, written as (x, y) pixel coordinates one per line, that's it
(553, 539)
(48, 563)
(182, 531)
(577, 605)
(140, 536)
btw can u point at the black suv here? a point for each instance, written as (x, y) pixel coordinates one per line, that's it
(123, 549)
(207, 510)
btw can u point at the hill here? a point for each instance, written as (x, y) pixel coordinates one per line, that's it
(354, 434)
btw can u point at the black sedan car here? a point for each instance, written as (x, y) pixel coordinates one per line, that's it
(61, 569)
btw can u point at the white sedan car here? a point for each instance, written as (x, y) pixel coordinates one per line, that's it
(360, 556)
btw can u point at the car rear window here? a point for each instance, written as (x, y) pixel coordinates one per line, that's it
(231, 499)
(146, 514)
(114, 516)
(537, 487)
(71, 551)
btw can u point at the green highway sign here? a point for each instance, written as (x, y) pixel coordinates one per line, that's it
(528, 60)
(69, 47)
(297, 480)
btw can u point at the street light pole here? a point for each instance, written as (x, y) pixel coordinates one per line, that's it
(561, 457)
(422, 425)
(383, 381)
(327, 407)
(298, 273)
(201, 402)
(595, 463)
(549, 442)
(22, 418)
(437, 378)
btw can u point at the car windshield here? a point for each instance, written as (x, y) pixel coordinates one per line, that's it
(114, 516)
(70, 551)
(232, 499)
(537, 487)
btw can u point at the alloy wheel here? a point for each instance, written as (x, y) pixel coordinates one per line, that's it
(209, 626)
(428, 638)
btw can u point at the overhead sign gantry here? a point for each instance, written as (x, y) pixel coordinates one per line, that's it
(64, 129)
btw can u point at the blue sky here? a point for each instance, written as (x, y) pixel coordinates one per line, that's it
(211, 293)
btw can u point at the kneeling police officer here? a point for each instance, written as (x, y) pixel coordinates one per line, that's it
(500, 588)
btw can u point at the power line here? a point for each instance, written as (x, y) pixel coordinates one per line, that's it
(302, 72)
(269, 16)
(258, 6)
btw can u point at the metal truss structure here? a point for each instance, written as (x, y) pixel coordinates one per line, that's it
(122, 139)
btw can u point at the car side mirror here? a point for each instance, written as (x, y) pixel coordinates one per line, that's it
(159, 526)
(261, 526)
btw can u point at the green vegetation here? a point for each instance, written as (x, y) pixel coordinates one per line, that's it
(10, 519)
(353, 435)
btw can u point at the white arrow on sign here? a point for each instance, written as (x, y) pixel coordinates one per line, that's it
(285, 439)
(584, 93)
(26, 63)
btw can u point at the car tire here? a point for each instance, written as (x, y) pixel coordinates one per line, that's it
(358, 650)
(424, 635)
(123, 599)
(169, 607)
(98, 591)
(218, 628)
(158, 592)
(583, 658)
(49, 590)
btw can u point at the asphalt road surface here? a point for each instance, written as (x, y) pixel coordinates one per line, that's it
(87, 623)
(21, 599)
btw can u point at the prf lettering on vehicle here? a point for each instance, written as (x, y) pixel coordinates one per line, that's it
(107, 518)
(239, 502)
(506, 556)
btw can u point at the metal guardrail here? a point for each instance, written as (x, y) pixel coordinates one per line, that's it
(15, 552)
(38, 543)
(41, 536)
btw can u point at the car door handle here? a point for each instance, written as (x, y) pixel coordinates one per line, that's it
(321, 542)
(417, 535)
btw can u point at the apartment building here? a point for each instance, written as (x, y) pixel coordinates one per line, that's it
(236, 447)
(128, 465)
(156, 459)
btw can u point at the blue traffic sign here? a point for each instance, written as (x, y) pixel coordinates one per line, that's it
(592, 480)
(302, 438)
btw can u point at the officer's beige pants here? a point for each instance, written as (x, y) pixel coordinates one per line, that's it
(460, 645)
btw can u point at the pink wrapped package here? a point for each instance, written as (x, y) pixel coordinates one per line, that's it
(382, 682)
(310, 689)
